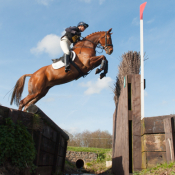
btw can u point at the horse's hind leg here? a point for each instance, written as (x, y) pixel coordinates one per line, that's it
(38, 97)
(26, 100)
(31, 102)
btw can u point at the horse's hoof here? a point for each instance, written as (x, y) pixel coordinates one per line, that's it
(97, 71)
(102, 75)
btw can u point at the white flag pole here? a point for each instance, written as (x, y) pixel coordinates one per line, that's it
(142, 6)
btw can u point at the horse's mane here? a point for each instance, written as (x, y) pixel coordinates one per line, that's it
(88, 37)
(93, 34)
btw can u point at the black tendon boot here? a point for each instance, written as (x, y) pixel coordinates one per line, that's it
(67, 62)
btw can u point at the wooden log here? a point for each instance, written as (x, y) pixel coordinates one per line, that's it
(4, 111)
(37, 139)
(120, 160)
(60, 163)
(114, 132)
(49, 133)
(154, 158)
(153, 125)
(136, 122)
(55, 168)
(25, 118)
(169, 138)
(153, 142)
(64, 156)
(16, 115)
(47, 145)
(144, 164)
(44, 170)
(61, 151)
(45, 159)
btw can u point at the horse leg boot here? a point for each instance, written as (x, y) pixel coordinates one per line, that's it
(102, 67)
(67, 62)
(105, 70)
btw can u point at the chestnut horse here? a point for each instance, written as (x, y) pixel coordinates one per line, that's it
(46, 77)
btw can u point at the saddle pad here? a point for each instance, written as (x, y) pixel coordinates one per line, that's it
(60, 64)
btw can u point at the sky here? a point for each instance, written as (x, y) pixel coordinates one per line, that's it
(29, 38)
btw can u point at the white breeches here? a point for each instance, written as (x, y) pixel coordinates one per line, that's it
(65, 45)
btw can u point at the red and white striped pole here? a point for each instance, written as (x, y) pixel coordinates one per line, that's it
(142, 7)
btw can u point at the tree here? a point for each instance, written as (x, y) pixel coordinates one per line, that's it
(98, 139)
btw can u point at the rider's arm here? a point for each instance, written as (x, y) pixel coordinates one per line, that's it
(73, 34)
(73, 30)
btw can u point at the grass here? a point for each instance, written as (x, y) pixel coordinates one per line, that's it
(161, 169)
(99, 165)
(87, 149)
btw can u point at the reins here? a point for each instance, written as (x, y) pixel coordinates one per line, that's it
(97, 44)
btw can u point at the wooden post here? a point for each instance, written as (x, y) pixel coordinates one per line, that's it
(169, 138)
(126, 156)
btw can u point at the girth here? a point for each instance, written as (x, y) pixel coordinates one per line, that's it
(81, 74)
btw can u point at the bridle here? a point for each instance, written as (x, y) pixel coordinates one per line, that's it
(105, 47)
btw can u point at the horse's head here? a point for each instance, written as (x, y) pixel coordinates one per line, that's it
(106, 42)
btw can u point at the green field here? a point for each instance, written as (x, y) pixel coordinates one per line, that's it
(87, 149)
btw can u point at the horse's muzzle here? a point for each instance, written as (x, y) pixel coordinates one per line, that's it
(109, 51)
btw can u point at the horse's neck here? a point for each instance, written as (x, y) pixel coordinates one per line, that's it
(94, 38)
(91, 40)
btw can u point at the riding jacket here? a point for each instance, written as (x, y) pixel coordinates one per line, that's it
(73, 34)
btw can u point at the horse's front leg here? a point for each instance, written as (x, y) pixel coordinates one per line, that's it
(104, 66)
(96, 61)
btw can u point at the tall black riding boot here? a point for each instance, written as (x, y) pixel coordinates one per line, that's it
(67, 62)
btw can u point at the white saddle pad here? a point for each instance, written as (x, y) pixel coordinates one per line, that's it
(60, 64)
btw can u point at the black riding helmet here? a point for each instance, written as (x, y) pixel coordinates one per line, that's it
(83, 24)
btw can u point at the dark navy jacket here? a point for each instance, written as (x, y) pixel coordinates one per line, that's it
(73, 34)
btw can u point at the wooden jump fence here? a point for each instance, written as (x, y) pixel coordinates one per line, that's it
(139, 144)
(50, 140)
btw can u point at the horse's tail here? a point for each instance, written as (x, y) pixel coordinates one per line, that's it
(18, 89)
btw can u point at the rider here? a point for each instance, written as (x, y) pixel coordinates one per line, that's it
(72, 35)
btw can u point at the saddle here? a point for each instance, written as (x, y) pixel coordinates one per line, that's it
(62, 58)
(59, 63)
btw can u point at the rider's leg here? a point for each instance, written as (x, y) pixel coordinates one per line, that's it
(67, 62)
(65, 45)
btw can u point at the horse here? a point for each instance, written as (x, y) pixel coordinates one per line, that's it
(46, 77)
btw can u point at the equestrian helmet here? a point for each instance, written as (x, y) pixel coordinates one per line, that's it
(83, 24)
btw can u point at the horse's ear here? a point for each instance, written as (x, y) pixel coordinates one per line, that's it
(109, 30)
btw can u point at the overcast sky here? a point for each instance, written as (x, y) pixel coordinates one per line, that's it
(30, 31)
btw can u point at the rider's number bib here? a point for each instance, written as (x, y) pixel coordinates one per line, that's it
(74, 38)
